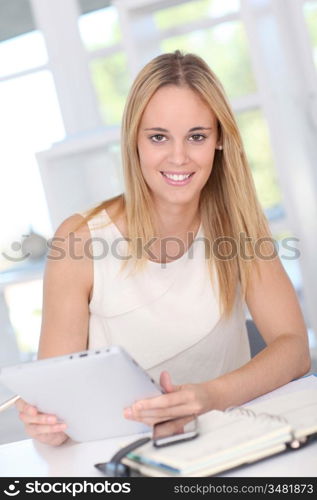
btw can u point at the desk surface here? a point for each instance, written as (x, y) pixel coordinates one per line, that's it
(30, 458)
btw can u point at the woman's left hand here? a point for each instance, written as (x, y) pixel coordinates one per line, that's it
(178, 401)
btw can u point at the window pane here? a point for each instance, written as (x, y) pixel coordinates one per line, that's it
(225, 49)
(192, 11)
(310, 11)
(111, 80)
(100, 28)
(30, 121)
(22, 53)
(255, 136)
(289, 253)
(24, 302)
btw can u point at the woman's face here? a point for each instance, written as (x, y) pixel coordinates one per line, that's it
(177, 138)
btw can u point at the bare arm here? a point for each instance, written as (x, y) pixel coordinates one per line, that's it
(67, 287)
(274, 307)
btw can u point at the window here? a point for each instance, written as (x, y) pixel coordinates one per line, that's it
(22, 53)
(30, 120)
(225, 49)
(100, 28)
(101, 35)
(254, 131)
(111, 82)
(25, 309)
(188, 12)
(310, 12)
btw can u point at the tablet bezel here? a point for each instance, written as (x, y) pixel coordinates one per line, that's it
(92, 408)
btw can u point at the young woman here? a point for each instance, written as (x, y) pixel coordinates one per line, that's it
(189, 247)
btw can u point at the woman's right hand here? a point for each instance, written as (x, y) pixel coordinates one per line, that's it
(41, 426)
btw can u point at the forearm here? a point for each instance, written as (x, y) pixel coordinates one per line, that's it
(283, 360)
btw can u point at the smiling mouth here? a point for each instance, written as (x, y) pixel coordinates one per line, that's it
(177, 177)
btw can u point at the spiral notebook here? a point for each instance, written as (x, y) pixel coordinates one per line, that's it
(234, 437)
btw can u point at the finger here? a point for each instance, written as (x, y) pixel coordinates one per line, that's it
(161, 414)
(21, 405)
(52, 439)
(35, 430)
(25, 408)
(39, 418)
(164, 401)
(164, 413)
(151, 421)
(166, 382)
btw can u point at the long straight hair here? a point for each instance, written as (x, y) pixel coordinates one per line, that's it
(228, 205)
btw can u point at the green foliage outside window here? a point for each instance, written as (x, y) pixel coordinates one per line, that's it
(310, 11)
(111, 80)
(225, 49)
(255, 137)
(192, 11)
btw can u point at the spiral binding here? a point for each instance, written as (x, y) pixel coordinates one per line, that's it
(294, 443)
(241, 410)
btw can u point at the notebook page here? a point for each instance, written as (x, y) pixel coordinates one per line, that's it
(224, 437)
(211, 469)
(308, 382)
(299, 408)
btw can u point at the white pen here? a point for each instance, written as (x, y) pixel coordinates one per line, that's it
(8, 403)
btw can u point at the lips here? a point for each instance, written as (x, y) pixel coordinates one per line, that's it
(177, 178)
(175, 175)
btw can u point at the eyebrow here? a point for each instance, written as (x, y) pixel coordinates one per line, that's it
(160, 129)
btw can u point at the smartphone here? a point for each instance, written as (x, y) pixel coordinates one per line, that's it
(175, 431)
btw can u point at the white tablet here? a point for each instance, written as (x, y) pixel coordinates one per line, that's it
(87, 390)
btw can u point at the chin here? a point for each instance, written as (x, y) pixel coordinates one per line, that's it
(177, 198)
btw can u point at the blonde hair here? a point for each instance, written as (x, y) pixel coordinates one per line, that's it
(228, 203)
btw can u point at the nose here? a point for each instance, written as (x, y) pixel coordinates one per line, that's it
(178, 154)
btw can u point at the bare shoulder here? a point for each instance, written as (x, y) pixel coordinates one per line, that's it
(72, 233)
(68, 256)
(75, 224)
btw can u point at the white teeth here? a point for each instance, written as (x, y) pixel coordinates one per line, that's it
(175, 177)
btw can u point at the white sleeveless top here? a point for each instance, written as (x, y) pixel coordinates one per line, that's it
(166, 316)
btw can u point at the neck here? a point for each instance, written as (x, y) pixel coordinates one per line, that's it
(176, 220)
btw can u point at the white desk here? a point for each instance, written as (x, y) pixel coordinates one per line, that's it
(30, 458)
